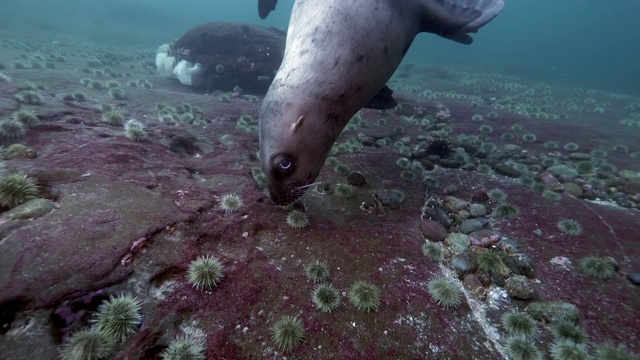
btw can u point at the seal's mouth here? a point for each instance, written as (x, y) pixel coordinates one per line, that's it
(285, 193)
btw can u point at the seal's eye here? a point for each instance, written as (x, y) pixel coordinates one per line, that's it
(283, 163)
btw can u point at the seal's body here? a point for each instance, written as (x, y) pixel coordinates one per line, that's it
(338, 56)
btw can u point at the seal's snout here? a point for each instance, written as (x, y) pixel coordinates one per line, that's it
(285, 195)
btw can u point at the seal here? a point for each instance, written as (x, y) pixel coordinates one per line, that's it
(338, 57)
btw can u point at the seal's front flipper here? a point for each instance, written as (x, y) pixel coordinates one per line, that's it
(454, 19)
(265, 7)
(382, 100)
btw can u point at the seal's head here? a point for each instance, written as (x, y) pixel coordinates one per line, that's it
(293, 155)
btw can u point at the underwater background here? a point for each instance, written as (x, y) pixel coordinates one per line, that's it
(581, 43)
(492, 214)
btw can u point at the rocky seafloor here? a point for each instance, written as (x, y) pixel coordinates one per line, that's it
(117, 216)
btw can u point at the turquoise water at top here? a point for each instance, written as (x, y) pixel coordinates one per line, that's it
(587, 43)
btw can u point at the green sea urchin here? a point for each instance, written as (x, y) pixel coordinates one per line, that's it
(568, 350)
(112, 118)
(317, 271)
(205, 272)
(134, 130)
(519, 324)
(598, 267)
(118, 317)
(16, 189)
(326, 298)
(29, 97)
(297, 219)
(28, 118)
(433, 251)
(520, 348)
(497, 196)
(489, 261)
(609, 351)
(364, 296)
(87, 345)
(185, 348)
(506, 211)
(570, 227)
(230, 203)
(568, 330)
(444, 292)
(343, 191)
(12, 128)
(288, 333)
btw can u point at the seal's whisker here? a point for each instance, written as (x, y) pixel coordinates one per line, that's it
(306, 186)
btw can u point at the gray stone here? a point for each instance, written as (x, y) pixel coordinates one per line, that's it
(457, 242)
(450, 163)
(553, 311)
(578, 156)
(506, 170)
(477, 210)
(454, 204)
(474, 286)
(512, 148)
(520, 264)
(563, 170)
(463, 264)
(30, 210)
(388, 198)
(634, 278)
(471, 225)
(519, 287)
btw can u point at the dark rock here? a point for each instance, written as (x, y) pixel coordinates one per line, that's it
(368, 141)
(388, 198)
(474, 286)
(432, 230)
(506, 170)
(508, 244)
(563, 170)
(442, 217)
(463, 264)
(471, 225)
(496, 157)
(480, 196)
(634, 278)
(520, 264)
(29, 210)
(553, 311)
(631, 187)
(530, 160)
(455, 204)
(450, 189)
(512, 148)
(519, 287)
(614, 182)
(468, 167)
(623, 202)
(356, 179)
(450, 163)
(427, 165)
(578, 156)
(550, 181)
